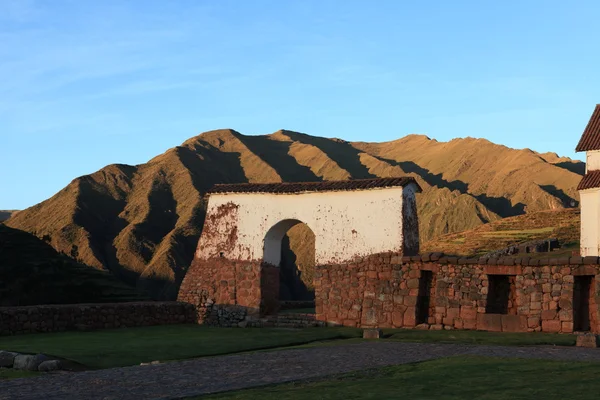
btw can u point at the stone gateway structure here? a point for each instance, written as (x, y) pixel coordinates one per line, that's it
(368, 272)
(235, 271)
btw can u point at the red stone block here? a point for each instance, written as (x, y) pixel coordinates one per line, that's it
(587, 340)
(548, 314)
(502, 269)
(385, 275)
(410, 301)
(453, 312)
(410, 317)
(372, 274)
(467, 312)
(566, 327)
(489, 322)
(514, 323)
(397, 319)
(583, 270)
(470, 324)
(551, 326)
(533, 322)
(413, 283)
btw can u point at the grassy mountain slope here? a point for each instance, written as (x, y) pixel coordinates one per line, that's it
(561, 224)
(32, 272)
(142, 222)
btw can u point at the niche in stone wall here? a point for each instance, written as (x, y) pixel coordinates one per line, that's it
(424, 297)
(583, 296)
(501, 295)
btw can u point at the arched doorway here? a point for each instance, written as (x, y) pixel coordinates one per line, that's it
(288, 266)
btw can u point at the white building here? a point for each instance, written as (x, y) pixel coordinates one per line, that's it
(589, 187)
(350, 219)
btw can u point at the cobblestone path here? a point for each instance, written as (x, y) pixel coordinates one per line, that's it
(214, 374)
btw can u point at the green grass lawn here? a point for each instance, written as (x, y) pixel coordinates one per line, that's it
(450, 378)
(131, 346)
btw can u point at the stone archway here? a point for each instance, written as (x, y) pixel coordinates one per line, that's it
(235, 268)
(274, 273)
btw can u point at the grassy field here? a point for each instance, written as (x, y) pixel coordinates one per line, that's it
(131, 346)
(450, 378)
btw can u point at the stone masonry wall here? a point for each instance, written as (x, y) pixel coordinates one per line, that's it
(367, 293)
(53, 318)
(228, 292)
(383, 291)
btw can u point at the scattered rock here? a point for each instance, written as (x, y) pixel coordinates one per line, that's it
(372, 333)
(7, 358)
(151, 363)
(29, 362)
(587, 340)
(50, 365)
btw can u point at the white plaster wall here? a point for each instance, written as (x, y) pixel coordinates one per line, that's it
(346, 224)
(590, 221)
(592, 160)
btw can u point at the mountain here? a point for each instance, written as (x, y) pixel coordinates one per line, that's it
(6, 214)
(142, 222)
(32, 272)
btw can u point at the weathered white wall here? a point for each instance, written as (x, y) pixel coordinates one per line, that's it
(346, 224)
(590, 221)
(592, 160)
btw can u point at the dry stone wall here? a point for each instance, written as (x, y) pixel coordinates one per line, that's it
(437, 292)
(54, 318)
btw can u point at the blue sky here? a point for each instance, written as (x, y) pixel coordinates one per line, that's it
(90, 83)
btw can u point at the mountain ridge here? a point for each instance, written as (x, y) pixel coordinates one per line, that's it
(142, 222)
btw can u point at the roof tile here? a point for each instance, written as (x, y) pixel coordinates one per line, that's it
(324, 186)
(590, 140)
(590, 180)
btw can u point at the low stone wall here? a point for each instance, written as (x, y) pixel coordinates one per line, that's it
(437, 292)
(53, 318)
(371, 292)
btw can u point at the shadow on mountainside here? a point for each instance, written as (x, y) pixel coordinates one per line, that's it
(575, 167)
(343, 153)
(4, 215)
(98, 214)
(567, 201)
(32, 272)
(499, 205)
(207, 166)
(436, 180)
(292, 284)
(276, 154)
(100, 217)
